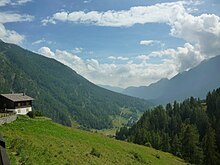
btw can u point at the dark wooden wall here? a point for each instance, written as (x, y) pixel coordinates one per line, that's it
(5, 103)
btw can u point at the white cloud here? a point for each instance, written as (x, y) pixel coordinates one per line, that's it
(162, 13)
(4, 2)
(143, 57)
(112, 57)
(6, 17)
(203, 31)
(183, 58)
(20, 2)
(67, 58)
(130, 73)
(40, 41)
(13, 2)
(149, 42)
(87, 1)
(47, 21)
(115, 74)
(123, 58)
(187, 57)
(77, 50)
(46, 52)
(118, 58)
(10, 36)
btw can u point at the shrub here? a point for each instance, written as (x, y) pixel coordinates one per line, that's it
(31, 114)
(38, 113)
(157, 156)
(137, 157)
(96, 153)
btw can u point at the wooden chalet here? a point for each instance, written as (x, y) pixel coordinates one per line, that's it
(16, 102)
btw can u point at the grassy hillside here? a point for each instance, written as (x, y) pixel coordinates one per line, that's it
(59, 92)
(40, 141)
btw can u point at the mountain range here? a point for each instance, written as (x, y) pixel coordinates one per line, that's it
(196, 82)
(59, 92)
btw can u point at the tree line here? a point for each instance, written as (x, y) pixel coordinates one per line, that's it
(190, 129)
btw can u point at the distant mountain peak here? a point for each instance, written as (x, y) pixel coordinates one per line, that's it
(194, 82)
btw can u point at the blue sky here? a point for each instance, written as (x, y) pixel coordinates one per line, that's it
(119, 42)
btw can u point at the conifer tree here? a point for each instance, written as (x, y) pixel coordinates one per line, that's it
(176, 145)
(209, 147)
(191, 150)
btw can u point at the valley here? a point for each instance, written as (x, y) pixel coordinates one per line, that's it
(99, 82)
(60, 93)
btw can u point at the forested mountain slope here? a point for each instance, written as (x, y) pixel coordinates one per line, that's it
(190, 129)
(59, 92)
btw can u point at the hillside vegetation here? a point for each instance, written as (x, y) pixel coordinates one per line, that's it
(59, 92)
(41, 141)
(190, 129)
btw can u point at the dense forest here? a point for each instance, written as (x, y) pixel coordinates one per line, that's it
(190, 129)
(59, 92)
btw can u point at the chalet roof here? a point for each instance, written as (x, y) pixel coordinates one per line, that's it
(17, 97)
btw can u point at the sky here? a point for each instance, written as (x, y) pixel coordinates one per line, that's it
(116, 42)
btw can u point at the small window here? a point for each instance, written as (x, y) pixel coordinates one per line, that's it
(19, 104)
(27, 110)
(19, 111)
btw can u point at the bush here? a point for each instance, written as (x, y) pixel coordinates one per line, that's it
(137, 157)
(31, 114)
(38, 113)
(157, 156)
(96, 153)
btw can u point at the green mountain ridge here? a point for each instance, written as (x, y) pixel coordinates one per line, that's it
(59, 92)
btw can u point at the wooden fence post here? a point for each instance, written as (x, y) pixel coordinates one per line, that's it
(3, 155)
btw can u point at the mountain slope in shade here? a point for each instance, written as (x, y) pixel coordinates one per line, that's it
(195, 82)
(112, 88)
(59, 92)
(147, 92)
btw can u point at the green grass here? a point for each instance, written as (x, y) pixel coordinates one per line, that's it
(118, 122)
(41, 141)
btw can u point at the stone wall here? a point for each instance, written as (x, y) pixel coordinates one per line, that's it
(8, 119)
